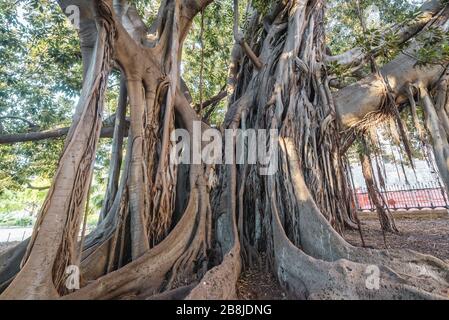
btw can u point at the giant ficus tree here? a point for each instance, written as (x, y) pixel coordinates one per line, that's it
(186, 231)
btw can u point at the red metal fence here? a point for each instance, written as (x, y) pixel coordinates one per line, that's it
(417, 196)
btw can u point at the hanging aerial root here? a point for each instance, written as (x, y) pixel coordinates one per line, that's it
(385, 218)
(440, 142)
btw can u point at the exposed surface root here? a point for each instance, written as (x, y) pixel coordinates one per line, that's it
(403, 273)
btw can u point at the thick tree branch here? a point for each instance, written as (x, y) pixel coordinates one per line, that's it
(129, 17)
(190, 8)
(240, 39)
(357, 56)
(87, 28)
(30, 186)
(214, 100)
(356, 101)
(106, 132)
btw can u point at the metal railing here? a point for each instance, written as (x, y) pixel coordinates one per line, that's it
(417, 196)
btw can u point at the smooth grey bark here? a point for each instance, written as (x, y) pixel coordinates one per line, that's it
(355, 101)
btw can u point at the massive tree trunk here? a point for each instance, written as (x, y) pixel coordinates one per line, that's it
(153, 239)
(285, 214)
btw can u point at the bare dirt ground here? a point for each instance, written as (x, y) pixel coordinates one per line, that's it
(259, 283)
(425, 232)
